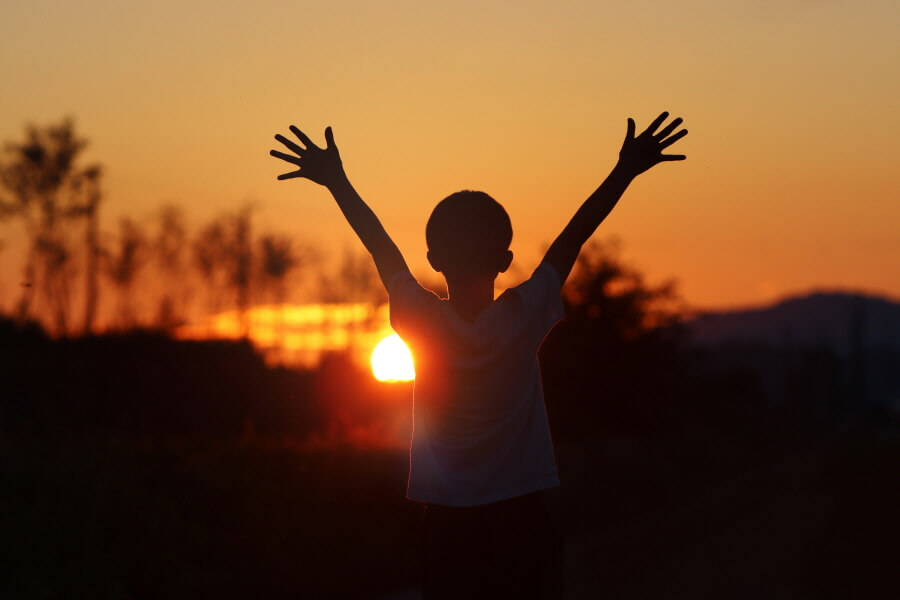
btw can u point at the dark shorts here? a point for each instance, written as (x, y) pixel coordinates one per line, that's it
(507, 549)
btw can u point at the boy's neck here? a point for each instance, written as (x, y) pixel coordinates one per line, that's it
(469, 297)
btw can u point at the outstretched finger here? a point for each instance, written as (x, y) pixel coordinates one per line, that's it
(671, 140)
(293, 147)
(629, 133)
(656, 123)
(291, 175)
(669, 128)
(288, 157)
(329, 138)
(668, 157)
(306, 141)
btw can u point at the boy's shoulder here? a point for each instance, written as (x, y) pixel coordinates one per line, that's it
(535, 304)
(544, 281)
(543, 285)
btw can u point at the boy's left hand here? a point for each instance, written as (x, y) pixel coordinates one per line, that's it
(644, 151)
(321, 165)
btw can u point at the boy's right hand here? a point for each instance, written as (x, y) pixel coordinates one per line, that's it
(321, 165)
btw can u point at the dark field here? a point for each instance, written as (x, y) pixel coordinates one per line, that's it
(257, 519)
(116, 485)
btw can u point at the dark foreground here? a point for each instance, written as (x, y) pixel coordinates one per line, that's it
(138, 467)
(189, 519)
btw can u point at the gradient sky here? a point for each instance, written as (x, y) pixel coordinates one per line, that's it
(791, 183)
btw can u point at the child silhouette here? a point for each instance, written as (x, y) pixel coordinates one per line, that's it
(481, 452)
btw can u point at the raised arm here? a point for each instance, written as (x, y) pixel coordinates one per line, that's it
(638, 154)
(324, 166)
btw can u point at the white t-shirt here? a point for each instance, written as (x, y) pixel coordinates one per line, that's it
(480, 431)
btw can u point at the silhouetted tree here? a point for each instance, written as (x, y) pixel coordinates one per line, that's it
(614, 359)
(605, 290)
(90, 210)
(356, 281)
(53, 255)
(169, 248)
(209, 250)
(124, 264)
(47, 190)
(277, 258)
(223, 253)
(239, 251)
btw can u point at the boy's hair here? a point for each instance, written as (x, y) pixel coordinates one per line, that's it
(468, 232)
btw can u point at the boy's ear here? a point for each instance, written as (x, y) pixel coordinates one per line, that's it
(432, 260)
(505, 261)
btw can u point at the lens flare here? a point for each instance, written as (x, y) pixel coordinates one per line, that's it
(392, 360)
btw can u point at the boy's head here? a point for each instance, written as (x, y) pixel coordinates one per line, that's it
(468, 234)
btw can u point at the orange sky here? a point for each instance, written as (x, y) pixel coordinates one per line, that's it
(791, 181)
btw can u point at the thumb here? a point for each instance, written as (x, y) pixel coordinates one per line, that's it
(329, 138)
(629, 135)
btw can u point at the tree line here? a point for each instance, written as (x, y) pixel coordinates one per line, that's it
(151, 273)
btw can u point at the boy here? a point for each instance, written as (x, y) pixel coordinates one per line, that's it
(481, 452)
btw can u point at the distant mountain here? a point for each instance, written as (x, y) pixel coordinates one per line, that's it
(841, 321)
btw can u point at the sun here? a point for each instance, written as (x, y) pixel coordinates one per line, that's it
(392, 361)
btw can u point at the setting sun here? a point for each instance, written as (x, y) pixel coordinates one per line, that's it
(392, 361)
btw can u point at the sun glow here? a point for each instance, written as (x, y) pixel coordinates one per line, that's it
(392, 360)
(298, 334)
